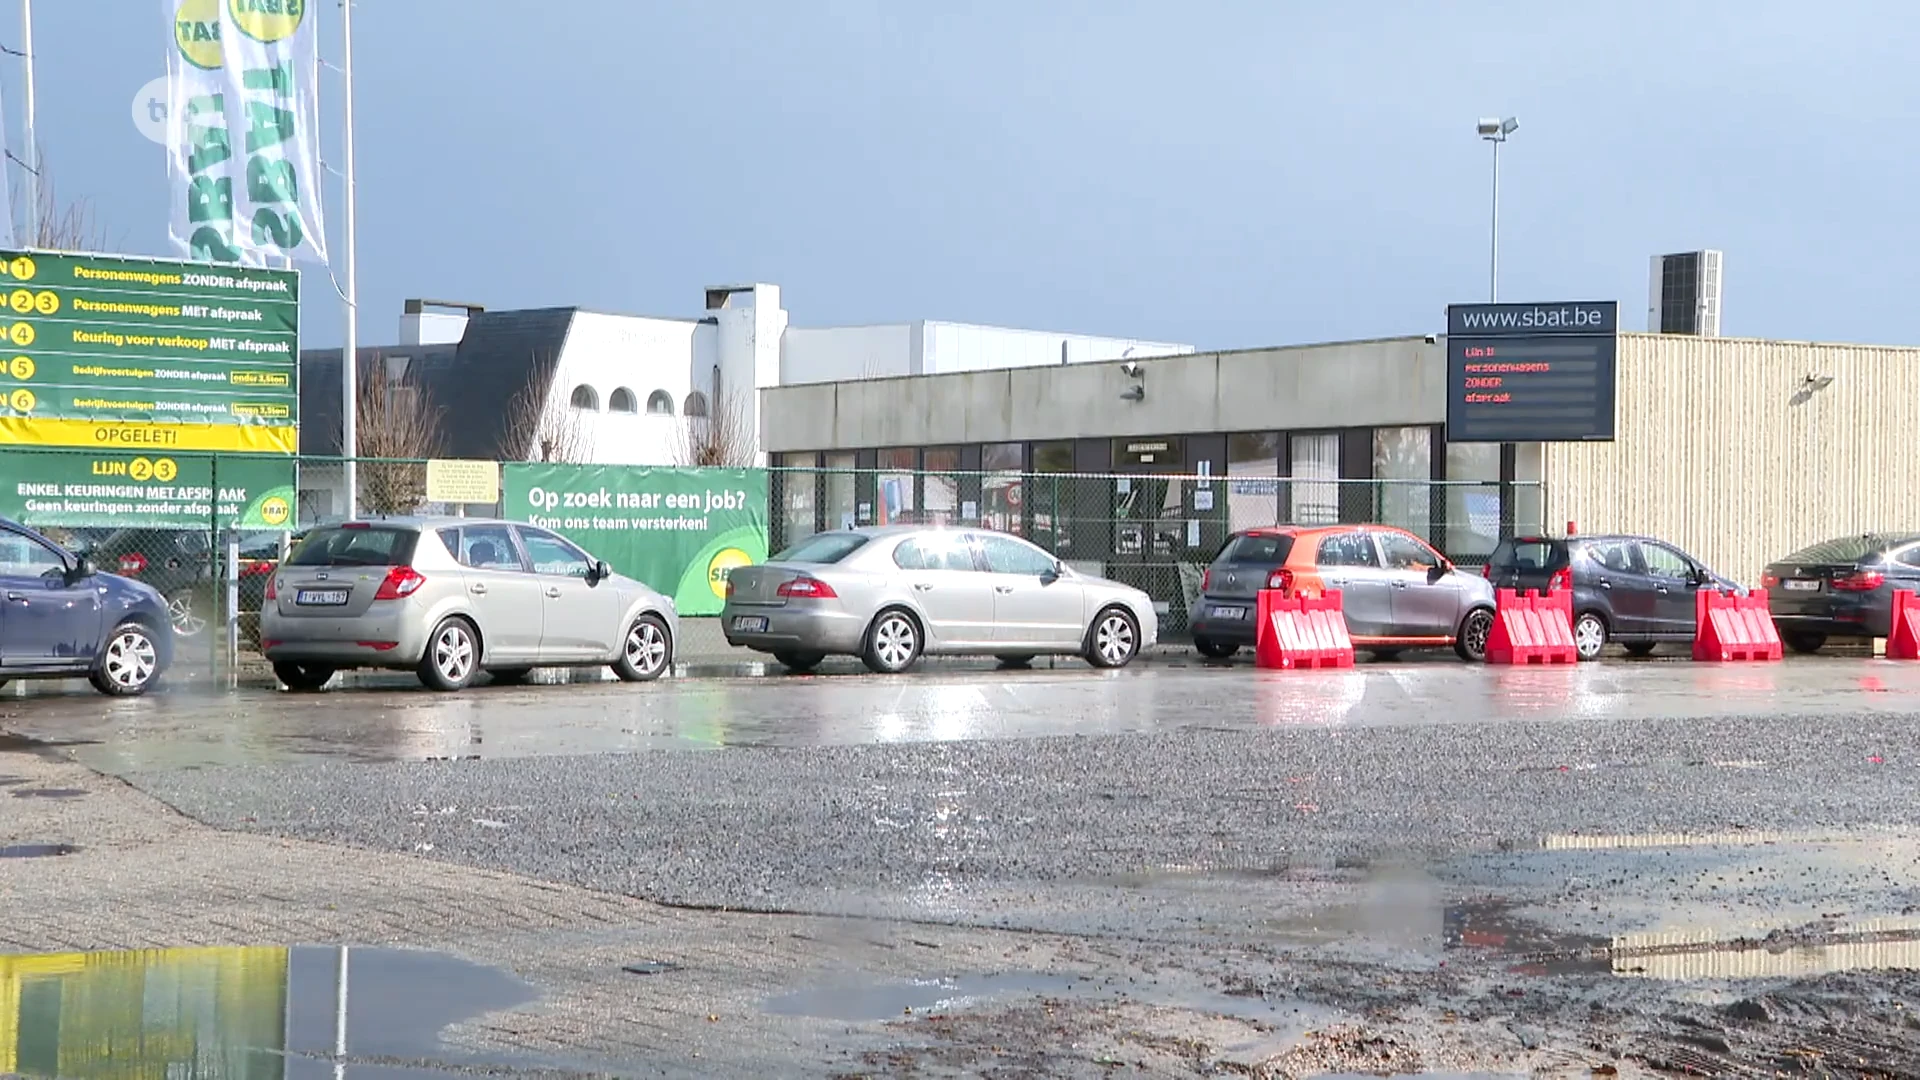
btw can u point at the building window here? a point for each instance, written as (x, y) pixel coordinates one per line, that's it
(1473, 500)
(895, 503)
(797, 487)
(1253, 484)
(1314, 494)
(841, 489)
(585, 399)
(622, 400)
(940, 466)
(1000, 489)
(1053, 457)
(660, 403)
(695, 405)
(1403, 478)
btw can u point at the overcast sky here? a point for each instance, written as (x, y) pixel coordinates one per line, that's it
(1220, 173)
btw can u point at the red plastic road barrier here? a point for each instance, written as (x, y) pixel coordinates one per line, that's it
(1728, 626)
(1301, 632)
(1532, 628)
(1903, 643)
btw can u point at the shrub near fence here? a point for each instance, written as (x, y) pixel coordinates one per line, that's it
(169, 524)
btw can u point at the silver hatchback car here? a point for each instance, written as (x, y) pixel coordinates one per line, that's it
(452, 597)
(893, 594)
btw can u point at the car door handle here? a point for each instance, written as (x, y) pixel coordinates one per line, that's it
(1399, 584)
(18, 598)
(1604, 583)
(922, 586)
(1003, 588)
(1661, 589)
(479, 590)
(553, 592)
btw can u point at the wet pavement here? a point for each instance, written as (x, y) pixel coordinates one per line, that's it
(395, 720)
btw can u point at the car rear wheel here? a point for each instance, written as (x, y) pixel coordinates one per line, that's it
(893, 643)
(185, 611)
(1214, 650)
(1114, 641)
(1804, 642)
(302, 678)
(129, 664)
(1589, 635)
(799, 661)
(509, 676)
(453, 655)
(1640, 648)
(646, 652)
(1470, 644)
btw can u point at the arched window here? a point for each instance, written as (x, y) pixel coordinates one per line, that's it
(696, 404)
(660, 403)
(622, 400)
(585, 399)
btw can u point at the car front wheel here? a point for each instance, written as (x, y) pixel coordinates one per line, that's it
(1589, 635)
(646, 653)
(1470, 644)
(129, 664)
(453, 656)
(185, 611)
(1114, 641)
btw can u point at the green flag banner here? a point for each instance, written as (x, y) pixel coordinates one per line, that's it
(115, 490)
(679, 530)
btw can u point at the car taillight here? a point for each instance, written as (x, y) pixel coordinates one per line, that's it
(1206, 579)
(807, 588)
(1486, 570)
(1281, 579)
(132, 563)
(729, 587)
(1859, 581)
(273, 588)
(1769, 581)
(1561, 580)
(401, 583)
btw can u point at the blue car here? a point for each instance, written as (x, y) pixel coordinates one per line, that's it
(62, 619)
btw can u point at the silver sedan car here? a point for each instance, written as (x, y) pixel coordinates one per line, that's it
(452, 597)
(892, 595)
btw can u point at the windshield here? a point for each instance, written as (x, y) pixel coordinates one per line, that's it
(348, 546)
(1528, 554)
(1256, 550)
(827, 547)
(1846, 549)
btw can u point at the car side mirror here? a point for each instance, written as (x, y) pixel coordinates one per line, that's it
(1438, 572)
(1053, 573)
(598, 572)
(82, 569)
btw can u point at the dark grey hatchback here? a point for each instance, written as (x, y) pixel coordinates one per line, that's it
(1635, 591)
(1841, 588)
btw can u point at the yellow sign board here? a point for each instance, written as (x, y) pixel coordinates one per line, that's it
(462, 481)
(136, 435)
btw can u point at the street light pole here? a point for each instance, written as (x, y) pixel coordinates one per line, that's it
(1495, 131)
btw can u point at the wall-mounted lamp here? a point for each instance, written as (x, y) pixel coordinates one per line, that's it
(1134, 393)
(1817, 381)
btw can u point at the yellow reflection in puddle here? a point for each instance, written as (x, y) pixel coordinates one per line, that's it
(144, 1013)
(1872, 945)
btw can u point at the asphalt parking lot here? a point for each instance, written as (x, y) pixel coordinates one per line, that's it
(1420, 858)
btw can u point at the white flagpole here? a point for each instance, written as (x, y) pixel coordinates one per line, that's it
(32, 144)
(350, 353)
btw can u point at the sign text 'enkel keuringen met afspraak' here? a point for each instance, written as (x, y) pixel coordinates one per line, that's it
(116, 353)
(1531, 372)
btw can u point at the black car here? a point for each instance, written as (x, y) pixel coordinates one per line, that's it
(1634, 591)
(1841, 588)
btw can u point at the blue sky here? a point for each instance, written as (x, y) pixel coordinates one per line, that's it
(1228, 173)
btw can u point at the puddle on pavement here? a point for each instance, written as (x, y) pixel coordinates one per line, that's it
(36, 851)
(248, 1013)
(857, 1000)
(1834, 945)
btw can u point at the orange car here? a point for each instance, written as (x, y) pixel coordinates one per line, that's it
(1397, 592)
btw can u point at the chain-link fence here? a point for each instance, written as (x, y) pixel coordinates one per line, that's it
(208, 530)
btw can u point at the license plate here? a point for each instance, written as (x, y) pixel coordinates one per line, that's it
(1800, 586)
(320, 597)
(1229, 613)
(751, 624)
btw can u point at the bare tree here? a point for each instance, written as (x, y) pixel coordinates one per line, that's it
(542, 425)
(398, 425)
(722, 438)
(63, 226)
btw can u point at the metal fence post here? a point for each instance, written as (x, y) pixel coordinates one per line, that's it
(232, 561)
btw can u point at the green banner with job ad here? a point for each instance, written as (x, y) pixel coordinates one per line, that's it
(48, 488)
(679, 530)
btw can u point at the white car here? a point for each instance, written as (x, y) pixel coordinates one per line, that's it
(891, 595)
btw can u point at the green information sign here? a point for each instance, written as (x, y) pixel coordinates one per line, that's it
(679, 530)
(46, 488)
(100, 351)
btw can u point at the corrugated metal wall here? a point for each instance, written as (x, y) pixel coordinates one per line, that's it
(1724, 448)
